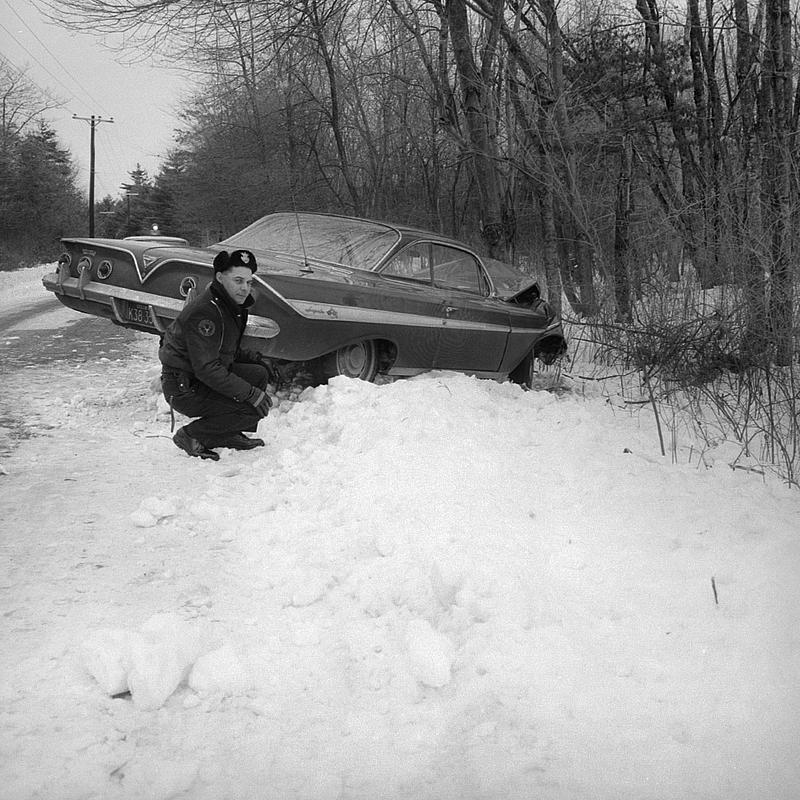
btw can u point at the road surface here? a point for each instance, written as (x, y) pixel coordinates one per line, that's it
(45, 334)
(45, 331)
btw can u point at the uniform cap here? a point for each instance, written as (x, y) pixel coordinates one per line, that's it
(224, 260)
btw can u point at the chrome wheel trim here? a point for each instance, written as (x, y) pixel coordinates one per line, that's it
(359, 360)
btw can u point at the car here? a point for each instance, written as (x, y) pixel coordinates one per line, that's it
(338, 295)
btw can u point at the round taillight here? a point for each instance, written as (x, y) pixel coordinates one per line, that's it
(188, 284)
(84, 264)
(65, 259)
(104, 270)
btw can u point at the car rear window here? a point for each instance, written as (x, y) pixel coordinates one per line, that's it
(338, 240)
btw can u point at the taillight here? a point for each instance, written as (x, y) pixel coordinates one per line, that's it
(84, 265)
(188, 286)
(104, 269)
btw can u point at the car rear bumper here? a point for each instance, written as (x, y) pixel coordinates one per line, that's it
(154, 313)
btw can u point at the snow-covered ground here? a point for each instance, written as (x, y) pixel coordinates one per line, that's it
(439, 588)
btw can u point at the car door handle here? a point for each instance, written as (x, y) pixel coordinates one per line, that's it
(448, 310)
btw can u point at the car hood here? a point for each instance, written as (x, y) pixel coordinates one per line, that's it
(519, 294)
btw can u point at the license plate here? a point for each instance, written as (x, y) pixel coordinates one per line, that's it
(138, 313)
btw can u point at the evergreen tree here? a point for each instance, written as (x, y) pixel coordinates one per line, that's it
(40, 200)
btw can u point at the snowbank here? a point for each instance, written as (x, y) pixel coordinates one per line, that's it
(435, 588)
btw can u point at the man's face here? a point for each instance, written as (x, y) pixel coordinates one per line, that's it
(237, 282)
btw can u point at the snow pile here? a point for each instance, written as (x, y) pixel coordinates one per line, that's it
(435, 588)
(23, 287)
(152, 662)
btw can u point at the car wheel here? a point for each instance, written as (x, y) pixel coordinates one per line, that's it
(359, 360)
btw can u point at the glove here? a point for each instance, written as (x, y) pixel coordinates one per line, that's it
(260, 401)
(273, 376)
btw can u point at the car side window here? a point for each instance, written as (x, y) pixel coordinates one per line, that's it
(412, 263)
(457, 269)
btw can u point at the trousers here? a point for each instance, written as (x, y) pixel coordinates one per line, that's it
(217, 417)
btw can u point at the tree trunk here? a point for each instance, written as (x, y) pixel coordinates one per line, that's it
(312, 11)
(622, 288)
(688, 217)
(745, 181)
(476, 99)
(582, 248)
(777, 195)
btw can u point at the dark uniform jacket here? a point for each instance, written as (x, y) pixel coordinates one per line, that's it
(205, 340)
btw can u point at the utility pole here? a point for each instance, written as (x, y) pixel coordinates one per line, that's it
(128, 189)
(93, 121)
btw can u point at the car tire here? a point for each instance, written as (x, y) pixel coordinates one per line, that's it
(358, 360)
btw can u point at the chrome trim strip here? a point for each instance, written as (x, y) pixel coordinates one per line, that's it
(550, 327)
(167, 306)
(339, 313)
(182, 262)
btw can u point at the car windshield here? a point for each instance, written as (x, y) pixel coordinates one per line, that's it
(349, 242)
(506, 279)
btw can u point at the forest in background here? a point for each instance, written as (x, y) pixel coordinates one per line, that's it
(39, 197)
(638, 157)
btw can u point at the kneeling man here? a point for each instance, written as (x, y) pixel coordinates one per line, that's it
(206, 374)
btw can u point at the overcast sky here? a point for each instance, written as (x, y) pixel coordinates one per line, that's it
(142, 99)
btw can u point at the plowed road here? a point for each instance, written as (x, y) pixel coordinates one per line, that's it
(44, 331)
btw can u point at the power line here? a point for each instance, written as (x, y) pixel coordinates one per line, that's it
(53, 56)
(46, 69)
(57, 64)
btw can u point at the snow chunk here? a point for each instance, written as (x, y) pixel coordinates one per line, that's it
(143, 519)
(107, 658)
(161, 658)
(151, 511)
(159, 507)
(150, 663)
(220, 672)
(430, 654)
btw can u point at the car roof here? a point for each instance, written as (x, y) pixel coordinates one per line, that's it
(405, 230)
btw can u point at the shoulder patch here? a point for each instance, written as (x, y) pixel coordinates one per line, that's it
(206, 327)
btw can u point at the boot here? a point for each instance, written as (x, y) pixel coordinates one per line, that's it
(192, 446)
(238, 441)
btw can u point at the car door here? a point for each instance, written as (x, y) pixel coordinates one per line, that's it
(408, 286)
(475, 327)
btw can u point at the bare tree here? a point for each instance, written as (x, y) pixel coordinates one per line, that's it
(776, 130)
(21, 101)
(613, 133)
(477, 99)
